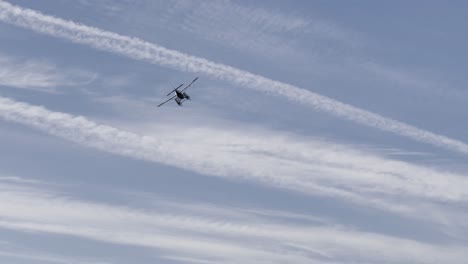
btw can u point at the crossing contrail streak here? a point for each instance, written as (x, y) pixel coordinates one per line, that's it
(141, 50)
(309, 167)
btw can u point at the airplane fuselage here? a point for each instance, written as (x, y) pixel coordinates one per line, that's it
(180, 95)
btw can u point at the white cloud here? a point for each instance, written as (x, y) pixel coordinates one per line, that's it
(246, 27)
(413, 81)
(43, 257)
(39, 75)
(203, 238)
(255, 30)
(141, 50)
(14, 251)
(279, 160)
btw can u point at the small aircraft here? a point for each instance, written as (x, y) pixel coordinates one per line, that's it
(180, 95)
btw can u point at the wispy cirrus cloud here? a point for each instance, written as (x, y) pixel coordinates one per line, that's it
(17, 252)
(377, 209)
(249, 28)
(241, 26)
(205, 238)
(39, 75)
(43, 257)
(278, 160)
(411, 81)
(145, 51)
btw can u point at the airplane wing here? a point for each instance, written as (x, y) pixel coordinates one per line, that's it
(185, 88)
(174, 89)
(167, 100)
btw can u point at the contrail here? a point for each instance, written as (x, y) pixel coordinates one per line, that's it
(141, 50)
(309, 167)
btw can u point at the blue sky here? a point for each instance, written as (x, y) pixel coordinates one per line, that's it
(319, 132)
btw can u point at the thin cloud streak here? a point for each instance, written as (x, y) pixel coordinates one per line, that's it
(309, 167)
(140, 50)
(41, 257)
(184, 235)
(207, 238)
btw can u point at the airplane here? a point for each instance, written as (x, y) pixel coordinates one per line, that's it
(180, 95)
